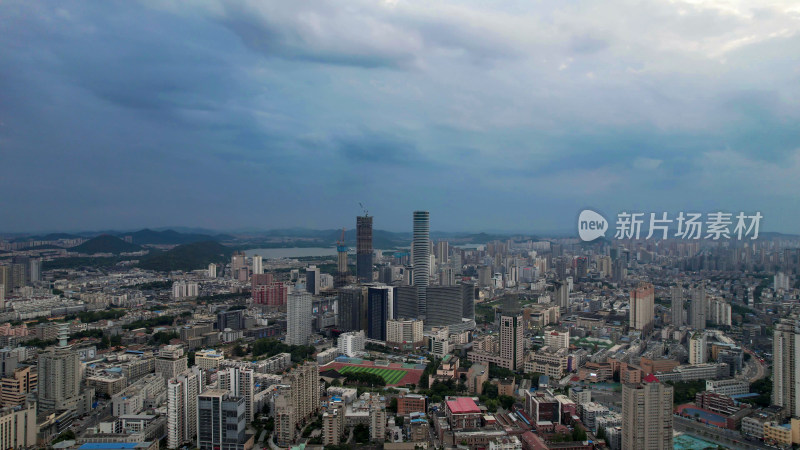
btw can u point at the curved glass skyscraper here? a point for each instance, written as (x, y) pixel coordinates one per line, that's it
(422, 257)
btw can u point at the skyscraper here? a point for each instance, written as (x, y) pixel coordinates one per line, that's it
(298, 318)
(380, 308)
(511, 342)
(647, 415)
(312, 280)
(642, 308)
(350, 309)
(406, 302)
(697, 318)
(676, 292)
(220, 421)
(786, 365)
(445, 305)
(240, 383)
(341, 264)
(364, 248)
(298, 403)
(421, 248)
(59, 376)
(258, 265)
(182, 392)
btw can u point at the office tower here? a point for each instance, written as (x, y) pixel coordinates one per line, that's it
(16, 386)
(647, 415)
(59, 375)
(511, 338)
(182, 392)
(212, 270)
(676, 292)
(221, 421)
(230, 319)
(364, 248)
(170, 361)
(351, 309)
(380, 308)
(697, 348)
(351, 343)
(469, 293)
(561, 291)
(298, 318)
(258, 265)
(35, 272)
(238, 263)
(240, 383)
(404, 333)
(698, 308)
(341, 264)
(445, 305)
(786, 366)
(18, 427)
(442, 252)
(642, 308)
(421, 249)
(312, 280)
(406, 301)
(377, 419)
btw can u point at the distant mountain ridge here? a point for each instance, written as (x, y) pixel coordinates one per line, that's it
(186, 257)
(170, 237)
(105, 243)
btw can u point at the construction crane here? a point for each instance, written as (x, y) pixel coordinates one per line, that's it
(366, 213)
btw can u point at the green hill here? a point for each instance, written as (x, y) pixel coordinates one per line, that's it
(105, 244)
(197, 255)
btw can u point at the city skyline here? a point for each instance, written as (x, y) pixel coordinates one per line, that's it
(145, 114)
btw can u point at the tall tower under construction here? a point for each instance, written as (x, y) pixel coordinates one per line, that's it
(364, 248)
(341, 263)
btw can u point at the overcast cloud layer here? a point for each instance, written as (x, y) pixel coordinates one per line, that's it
(266, 114)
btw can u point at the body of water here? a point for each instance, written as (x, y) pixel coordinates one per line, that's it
(291, 252)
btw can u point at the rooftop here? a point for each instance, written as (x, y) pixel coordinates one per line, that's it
(463, 405)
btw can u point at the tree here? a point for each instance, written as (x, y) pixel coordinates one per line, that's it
(506, 401)
(399, 420)
(238, 350)
(578, 433)
(489, 389)
(392, 405)
(361, 433)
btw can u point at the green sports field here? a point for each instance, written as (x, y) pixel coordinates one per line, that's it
(391, 376)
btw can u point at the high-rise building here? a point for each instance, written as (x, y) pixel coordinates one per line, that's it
(269, 293)
(171, 361)
(642, 307)
(15, 387)
(351, 309)
(333, 424)
(421, 249)
(18, 426)
(212, 270)
(35, 270)
(351, 343)
(786, 365)
(561, 289)
(511, 341)
(377, 419)
(182, 392)
(676, 292)
(446, 305)
(442, 252)
(239, 264)
(312, 280)
(298, 403)
(230, 319)
(697, 318)
(698, 353)
(221, 421)
(59, 375)
(406, 302)
(298, 318)
(364, 248)
(258, 265)
(380, 308)
(647, 415)
(342, 271)
(24, 264)
(240, 382)
(404, 333)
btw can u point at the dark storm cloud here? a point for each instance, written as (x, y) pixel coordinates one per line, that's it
(235, 114)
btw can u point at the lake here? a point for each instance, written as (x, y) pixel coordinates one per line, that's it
(291, 252)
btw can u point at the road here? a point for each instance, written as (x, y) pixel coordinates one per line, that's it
(753, 369)
(728, 438)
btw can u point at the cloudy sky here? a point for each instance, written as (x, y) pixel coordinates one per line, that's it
(271, 113)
